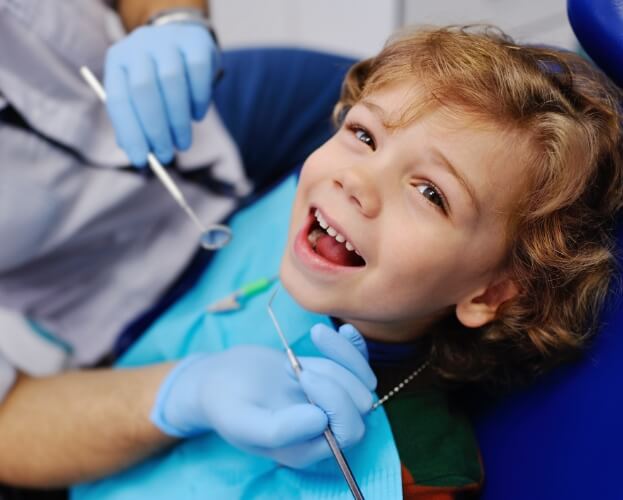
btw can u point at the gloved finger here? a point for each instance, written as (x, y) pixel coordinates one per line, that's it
(149, 105)
(198, 50)
(341, 350)
(252, 426)
(128, 131)
(296, 456)
(176, 93)
(358, 392)
(345, 420)
(349, 332)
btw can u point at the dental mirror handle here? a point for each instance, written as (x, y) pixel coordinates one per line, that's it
(330, 437)
(342, 463)
(153, 162)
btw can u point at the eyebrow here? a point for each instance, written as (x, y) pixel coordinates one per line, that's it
(462, 180)
(376, 110)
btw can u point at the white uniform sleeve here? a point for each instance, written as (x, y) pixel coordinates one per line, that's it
(26, 349)
(23, 348)
(7, 377)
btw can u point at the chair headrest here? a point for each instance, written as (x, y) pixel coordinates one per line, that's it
(598, 25)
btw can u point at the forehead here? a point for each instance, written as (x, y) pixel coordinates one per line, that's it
(399, 104)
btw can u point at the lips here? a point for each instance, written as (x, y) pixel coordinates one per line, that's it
(311, 259)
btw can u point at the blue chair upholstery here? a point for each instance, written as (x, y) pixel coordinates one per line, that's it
(598, 25)
(563, 438)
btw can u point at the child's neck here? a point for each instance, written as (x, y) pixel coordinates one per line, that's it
(389, 353)
(393, 361)
(398, 332)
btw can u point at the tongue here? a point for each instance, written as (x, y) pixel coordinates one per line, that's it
(336, 252)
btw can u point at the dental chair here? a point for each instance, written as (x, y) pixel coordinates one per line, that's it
(563, 438)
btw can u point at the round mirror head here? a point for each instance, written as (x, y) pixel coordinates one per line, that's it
(215, 237)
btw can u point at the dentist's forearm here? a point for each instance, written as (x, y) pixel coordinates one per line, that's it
(136, 12)
(78, 426)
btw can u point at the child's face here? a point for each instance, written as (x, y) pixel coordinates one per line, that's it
(431, 243)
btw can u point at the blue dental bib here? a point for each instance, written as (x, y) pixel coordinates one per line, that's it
(207, 466)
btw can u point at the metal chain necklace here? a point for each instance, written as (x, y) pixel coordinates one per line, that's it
(400, 386)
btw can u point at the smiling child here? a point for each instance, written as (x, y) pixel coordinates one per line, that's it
(460, 218)
(477, 181)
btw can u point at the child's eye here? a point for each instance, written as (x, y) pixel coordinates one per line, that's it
(361, 134)
(433, 195)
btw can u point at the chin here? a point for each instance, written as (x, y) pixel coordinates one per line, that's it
(301, 292)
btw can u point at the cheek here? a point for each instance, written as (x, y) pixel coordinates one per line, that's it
(317, 164)
(430, 264)
(309, 176)
(316, 170)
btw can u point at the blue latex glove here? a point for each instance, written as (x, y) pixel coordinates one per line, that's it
(156, 80)
(250, 397)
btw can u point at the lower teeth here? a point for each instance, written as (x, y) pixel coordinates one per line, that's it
(313, 236)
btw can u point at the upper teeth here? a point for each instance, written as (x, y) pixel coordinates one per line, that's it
(332, 232)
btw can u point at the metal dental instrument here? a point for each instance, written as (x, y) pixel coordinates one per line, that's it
(328, 433)
(214, 236)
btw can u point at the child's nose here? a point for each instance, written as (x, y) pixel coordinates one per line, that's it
(360, 189)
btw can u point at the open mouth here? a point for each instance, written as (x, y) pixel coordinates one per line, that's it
(330, 244)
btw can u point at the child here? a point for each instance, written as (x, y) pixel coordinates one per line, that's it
(460, 218)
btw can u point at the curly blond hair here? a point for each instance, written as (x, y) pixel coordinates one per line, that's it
(560, 236)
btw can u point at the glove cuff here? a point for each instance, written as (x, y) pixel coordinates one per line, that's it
(157, 415)
(189, 15)
(183, 15)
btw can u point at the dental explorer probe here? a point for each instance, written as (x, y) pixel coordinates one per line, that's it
(214, 236)
(328, 433)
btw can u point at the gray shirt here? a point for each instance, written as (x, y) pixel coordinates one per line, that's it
(86, 246)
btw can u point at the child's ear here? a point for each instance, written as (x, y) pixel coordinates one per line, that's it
(480, 308)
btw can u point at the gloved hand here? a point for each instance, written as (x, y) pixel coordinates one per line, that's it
(250, 397)
(156, 79)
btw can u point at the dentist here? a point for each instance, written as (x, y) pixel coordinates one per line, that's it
(92, 248)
